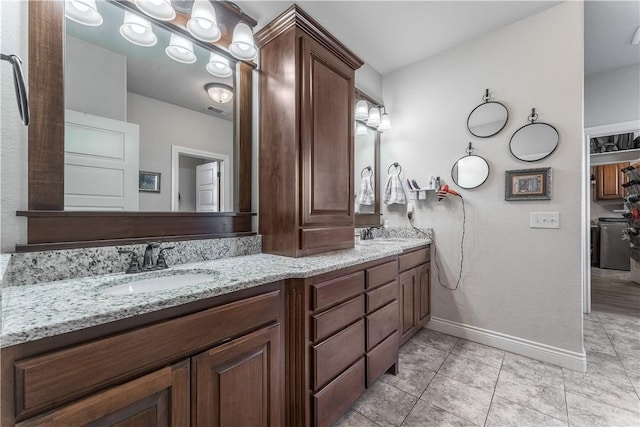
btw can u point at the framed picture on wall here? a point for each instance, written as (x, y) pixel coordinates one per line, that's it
(149, 181)
(528, 184)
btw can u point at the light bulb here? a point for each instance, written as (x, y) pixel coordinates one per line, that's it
(218, 65)
(361, 130)
(180, 49)
(83, 12)
(362, 110)
(159, 9)
(242, 45)
(203, 24)
(137, 30)
(374, 117)
(385, 123)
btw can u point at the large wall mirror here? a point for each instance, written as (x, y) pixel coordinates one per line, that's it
(366, 166)
(153, 123)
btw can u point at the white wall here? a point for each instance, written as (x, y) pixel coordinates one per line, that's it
(95, 80)
(176, 126)
(612, 96)
(13, 135)
(369, 81)
(517, 281)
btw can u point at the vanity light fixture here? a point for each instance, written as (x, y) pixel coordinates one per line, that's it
(159, 9)
(385, 121)
(242, 45)
(203, 24)
(83, 12)
(362, 110)
(636, 37)
(180, 49)
(361, 129)
(137, 30)
(219, 92)
(218, 65)
(374, 117)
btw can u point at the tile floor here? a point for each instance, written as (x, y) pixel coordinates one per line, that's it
(446, 381)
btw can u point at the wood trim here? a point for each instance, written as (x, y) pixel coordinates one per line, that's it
(244, 138)
(295, 16)
(46, 153)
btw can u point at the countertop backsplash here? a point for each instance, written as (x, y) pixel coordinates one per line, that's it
(35, 267)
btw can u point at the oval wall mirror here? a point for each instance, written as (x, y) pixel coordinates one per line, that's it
(534, 141)
(488, 118)
(470, 171)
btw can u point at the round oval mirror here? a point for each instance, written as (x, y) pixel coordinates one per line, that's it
(534, 142)
(487, 119)
(470, 171)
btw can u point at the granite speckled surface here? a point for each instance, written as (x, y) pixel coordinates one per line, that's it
(36, 267)
(32, 312)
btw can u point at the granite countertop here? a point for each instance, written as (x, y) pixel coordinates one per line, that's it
(32, 312)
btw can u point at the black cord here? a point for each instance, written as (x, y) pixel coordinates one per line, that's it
(435, 248)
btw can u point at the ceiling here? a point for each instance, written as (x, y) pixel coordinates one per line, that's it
(389, 35)
(608, 29)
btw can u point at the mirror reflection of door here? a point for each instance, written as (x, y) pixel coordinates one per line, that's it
(199, 185)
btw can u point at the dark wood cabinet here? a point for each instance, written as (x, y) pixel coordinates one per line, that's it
(408, 292)
(415, 292)
(609, 180)
(306, 137)
(423, 302)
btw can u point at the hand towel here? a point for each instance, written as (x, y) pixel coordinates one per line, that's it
(365, 195)
(393, 191)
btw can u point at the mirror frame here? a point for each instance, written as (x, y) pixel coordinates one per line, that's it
(370, 219)
(48, 225)
(481, 105)
(485, 178)
(541, 158)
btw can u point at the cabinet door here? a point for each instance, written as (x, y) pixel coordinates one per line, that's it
(159, 399)
(327, 137)
(609, 180)
(408, 291)
(423, 295)
(239, 383)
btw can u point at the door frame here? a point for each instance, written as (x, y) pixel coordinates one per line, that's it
(592, 132)
(226, 202)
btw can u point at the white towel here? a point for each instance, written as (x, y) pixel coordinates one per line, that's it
(366, 195)
(393, 191)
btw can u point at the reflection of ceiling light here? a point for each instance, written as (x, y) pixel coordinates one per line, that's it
(83, 12)
(385, 123)
(362, 110)
(374, 117)
(219, 92)
(137, 30)
(636, 37)
(203, 24)
(218, 65)
(242, 45)
(361, 130)
(180, 49)
(159, 9)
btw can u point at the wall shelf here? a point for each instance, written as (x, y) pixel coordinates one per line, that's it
(615, 157)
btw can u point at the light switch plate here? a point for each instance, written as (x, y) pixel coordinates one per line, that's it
(544, 220)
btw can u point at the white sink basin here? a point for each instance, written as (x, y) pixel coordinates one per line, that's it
(160, 283)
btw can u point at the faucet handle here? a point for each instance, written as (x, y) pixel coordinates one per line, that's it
(134, 266)
(162, 261)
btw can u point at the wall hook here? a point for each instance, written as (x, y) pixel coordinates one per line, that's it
(470, 149)
(533, 116)
(487, 96)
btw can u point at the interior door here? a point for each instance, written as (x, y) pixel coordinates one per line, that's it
(100, 163)
(208, 187)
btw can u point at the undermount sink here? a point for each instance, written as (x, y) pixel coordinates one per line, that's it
(383, 241)
(161, 281)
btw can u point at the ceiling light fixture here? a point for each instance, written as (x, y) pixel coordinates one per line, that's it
(137, 30)
(362, 110)
(385, 121)
(203, 24)
(180, 49)
(159, 9)
(219, 92)
(83, 12)
(242, 45)
(636, 37)
(218, 65)
(374, 117)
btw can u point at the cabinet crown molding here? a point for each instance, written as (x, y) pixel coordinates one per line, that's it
(295, 16)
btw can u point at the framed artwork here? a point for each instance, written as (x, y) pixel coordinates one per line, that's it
(149, 181)
(528, 184)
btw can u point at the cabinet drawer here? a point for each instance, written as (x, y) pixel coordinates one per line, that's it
(337, 318)
(333, 355)
(381, 323)
(382, 274)
(382, 357)
(59, 377)
(413, 259)
(382, 295)
(338, 396)
(314, 238)
(334, 291)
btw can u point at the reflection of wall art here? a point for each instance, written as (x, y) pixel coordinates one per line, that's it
(528, 184)
(149, 181)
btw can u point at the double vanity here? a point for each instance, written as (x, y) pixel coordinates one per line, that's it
(248, 340)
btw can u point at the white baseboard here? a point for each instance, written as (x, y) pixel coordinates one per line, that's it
(535, 350)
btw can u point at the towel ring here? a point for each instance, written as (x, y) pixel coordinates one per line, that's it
(394, 165)
(368, 168)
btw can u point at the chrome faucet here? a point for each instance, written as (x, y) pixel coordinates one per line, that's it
(147, 260)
